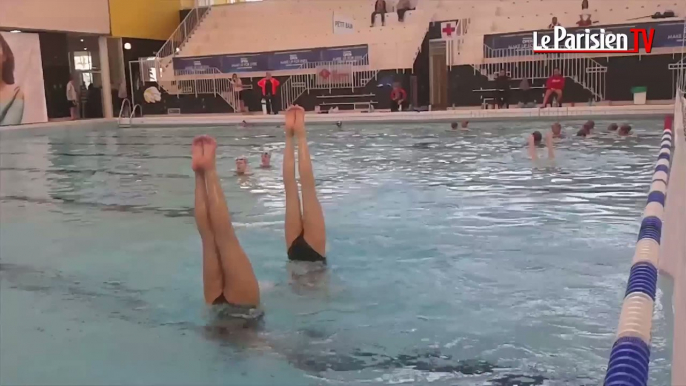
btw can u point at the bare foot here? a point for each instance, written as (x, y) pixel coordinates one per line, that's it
(299, 123)
(290, 121)
(203, 152)
(209, 147)
(197, 154)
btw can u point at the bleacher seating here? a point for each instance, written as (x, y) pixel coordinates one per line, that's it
(277, 25)
(502, 16)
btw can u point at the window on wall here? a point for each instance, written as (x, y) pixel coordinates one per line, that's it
(83, 62)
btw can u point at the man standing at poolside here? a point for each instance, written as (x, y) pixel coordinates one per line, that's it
(269, 86)
(73, 98)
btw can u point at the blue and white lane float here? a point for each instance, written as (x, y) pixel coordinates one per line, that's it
(630, 355)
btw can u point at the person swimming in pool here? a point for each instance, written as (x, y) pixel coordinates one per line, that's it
(556, 129)
(590, 124)
(464, 126)
(305, 231)
(624, 130)
(585, 130)
(612, 127)
(265, 160)
(535, 140)
(228, 276)
(242, 166)
(339, 124)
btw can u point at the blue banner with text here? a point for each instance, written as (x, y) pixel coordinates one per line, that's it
(271, 61)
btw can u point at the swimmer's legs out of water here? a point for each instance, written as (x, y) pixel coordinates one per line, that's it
(228, 276)
(305, 231)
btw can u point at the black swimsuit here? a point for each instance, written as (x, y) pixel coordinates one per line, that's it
(300, 250)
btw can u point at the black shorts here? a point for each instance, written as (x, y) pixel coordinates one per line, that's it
(241, 95)
(300, 250)
(73, 104)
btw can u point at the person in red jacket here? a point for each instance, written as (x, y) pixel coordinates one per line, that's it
(398, 97)
(269, 86)
(554, 85)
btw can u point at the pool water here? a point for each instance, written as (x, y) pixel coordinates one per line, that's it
(453, 258)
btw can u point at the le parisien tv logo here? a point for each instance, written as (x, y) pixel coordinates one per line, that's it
(593, 41)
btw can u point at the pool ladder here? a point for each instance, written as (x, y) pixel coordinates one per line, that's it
(124, 112)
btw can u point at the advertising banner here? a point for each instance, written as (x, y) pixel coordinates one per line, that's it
(289, 60)
(22, 96)
(244, 63)
(271, 61)
(344, 54)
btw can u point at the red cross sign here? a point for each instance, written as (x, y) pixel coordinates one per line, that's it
(448, 30)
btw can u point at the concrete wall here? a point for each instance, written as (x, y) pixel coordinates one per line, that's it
(144, 19)
(90, 16)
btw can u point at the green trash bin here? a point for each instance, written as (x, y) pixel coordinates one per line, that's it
(640, 94)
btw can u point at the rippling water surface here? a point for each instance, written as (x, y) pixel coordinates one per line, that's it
(453, 258)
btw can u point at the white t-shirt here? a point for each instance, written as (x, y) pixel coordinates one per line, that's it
(71, 92)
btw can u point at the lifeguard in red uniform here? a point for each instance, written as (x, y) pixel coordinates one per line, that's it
(269, 86)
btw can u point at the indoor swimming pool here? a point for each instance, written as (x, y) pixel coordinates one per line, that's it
(453, 259)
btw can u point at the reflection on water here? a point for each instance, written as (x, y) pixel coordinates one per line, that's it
(452, 258)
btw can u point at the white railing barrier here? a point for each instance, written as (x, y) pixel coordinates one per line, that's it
(522, 63)
(352, 75)
(206, 81)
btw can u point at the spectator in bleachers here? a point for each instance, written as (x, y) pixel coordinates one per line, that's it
(554, 23)
(398, 97)
(238, 90)
(584, 6)
(269, 86)
(502, 87)
(402, 7)
(554, 85)
(584, 20)
(379, 9)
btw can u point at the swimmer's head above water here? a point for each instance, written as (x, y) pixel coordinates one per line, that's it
(625, 129)
(241, 165)
(266, 160)
(590, 124)
(339, 124)
(537, 136)
(464, 125)
(612, 127)
(556, 128)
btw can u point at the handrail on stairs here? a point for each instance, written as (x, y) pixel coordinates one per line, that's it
(124, 103)
(133, 113)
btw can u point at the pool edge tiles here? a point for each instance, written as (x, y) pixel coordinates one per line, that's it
(629, 362)
(561, 113)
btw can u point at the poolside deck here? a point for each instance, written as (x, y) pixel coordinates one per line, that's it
(619, 112)
(561, 113)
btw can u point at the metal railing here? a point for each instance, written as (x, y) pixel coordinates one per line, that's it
(173, 45)
(206, 81)
(124, 103)
(522, 63)
(181, 34)
(327, 76)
